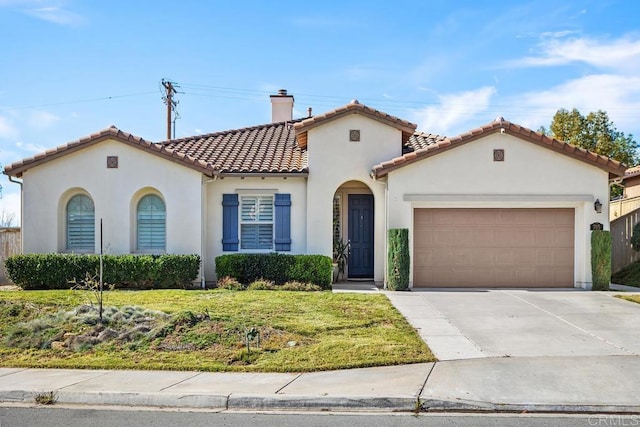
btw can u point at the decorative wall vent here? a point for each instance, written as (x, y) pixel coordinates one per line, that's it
(498, 155)
(112, 162)
(354, 135)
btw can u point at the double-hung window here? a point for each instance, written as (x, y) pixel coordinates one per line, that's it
(256, 222)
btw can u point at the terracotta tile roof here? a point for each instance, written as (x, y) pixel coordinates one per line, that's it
(354, 107)
(632, 172)
(614, 167)
(265, 149)
(420, 140)
(17, 168)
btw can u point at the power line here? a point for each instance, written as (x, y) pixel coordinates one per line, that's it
(77, 101)
(326, 100)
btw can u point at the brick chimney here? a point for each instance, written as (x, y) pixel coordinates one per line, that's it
(281, 107)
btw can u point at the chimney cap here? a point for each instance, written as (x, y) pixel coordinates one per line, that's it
(282, 93)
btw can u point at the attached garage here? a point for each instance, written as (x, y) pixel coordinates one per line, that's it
(489, 247)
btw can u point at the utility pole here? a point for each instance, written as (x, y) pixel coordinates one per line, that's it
(170, 91)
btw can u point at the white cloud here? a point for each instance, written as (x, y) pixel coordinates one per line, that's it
(56, 15)
(42, 119)
(10, 201)
(554, 50)
(455, 112)
(7, 130)
(618, 95)
(53, 11)
(30, 147)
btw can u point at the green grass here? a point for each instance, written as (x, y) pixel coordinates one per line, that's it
(205, 331)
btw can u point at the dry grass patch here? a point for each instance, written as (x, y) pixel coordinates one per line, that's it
(205, 330)
(632, 298)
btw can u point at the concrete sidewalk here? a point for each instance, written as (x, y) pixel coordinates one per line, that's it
(562, 384)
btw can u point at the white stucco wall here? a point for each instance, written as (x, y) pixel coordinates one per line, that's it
(529, 177)
(115, 193)
(334, 160)
(214, 189)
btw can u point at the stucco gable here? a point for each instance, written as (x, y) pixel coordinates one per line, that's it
(111, 133)
(354, 107)
(613, 167)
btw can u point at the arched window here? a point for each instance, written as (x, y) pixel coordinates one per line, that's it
(151, 225)
(81, 228)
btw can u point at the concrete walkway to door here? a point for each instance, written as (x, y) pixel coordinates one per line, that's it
(467, 324)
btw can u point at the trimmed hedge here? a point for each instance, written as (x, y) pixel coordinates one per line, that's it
(55, 271)
(600, 260)
(279, 268)
(398, 259)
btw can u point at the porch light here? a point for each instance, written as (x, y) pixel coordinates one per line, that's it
(598, 206)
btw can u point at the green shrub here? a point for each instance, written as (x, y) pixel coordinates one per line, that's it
(600, 259)
(635, 237)
(56, 271)
(398, 259)
(279, 268)
(177, 270)
(630, 275)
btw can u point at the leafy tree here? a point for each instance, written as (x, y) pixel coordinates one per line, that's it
(595, 132)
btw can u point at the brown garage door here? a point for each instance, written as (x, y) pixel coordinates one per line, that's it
(493, 247)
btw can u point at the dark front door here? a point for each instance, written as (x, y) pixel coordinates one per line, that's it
(361, 235)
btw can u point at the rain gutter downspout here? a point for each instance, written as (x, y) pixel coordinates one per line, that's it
(203, 226)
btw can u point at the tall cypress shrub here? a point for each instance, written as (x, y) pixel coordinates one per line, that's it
(398, 259)
(600, 259)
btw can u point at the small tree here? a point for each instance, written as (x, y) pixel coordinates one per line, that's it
(398, 259)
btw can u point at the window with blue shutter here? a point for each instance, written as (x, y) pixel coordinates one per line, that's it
(283, 222)
(152, 224)
(230, 222)
(256, 222)
(81, 227)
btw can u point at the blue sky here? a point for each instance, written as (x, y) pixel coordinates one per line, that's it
(73, 67)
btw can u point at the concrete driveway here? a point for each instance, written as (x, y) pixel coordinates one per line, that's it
(465, 324)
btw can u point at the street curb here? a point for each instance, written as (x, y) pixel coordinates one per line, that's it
(283, 402)
(441, 405)
(175, 400)
(321, 403)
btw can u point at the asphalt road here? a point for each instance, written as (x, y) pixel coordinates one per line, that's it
(66, 417)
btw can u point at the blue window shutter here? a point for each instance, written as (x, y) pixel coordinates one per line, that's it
(230, 222)
(283, 222)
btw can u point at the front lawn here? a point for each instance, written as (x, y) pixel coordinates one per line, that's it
(205, 331)
(632, 298)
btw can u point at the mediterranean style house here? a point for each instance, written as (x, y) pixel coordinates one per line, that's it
(498, 206)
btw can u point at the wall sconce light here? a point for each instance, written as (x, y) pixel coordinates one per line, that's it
(598, 206)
